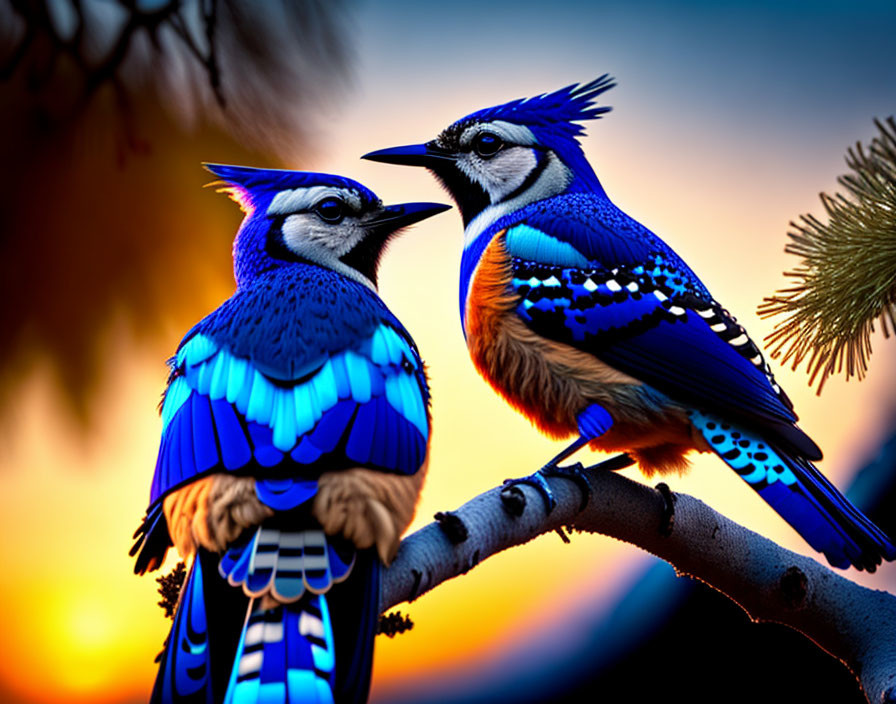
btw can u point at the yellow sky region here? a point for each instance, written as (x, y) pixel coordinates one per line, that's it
(85, 629)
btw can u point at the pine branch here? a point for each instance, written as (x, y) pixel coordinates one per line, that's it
(846, 280)
(851, 622)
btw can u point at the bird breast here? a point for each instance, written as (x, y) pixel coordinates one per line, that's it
(551, 382)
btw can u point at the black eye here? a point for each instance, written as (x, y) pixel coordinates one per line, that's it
(330, 210)
(487, 144)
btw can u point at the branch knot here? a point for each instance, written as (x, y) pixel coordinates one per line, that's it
(794, 587)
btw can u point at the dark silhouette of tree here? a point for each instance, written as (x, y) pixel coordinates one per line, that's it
(104, 227)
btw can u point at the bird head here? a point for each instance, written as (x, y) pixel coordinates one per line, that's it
(297, 216)
(504, 157)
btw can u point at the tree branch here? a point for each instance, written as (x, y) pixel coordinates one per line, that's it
(852, 623)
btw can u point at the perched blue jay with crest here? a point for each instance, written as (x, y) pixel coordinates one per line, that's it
(592, 326)
(295, 434)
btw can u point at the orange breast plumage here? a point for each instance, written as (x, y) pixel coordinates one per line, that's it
(551, 382)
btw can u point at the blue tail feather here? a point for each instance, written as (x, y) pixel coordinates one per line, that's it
(800, 494)
(285, 563)
(285, 654)
(354, 608)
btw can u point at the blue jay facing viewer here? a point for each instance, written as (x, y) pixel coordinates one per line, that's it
(294, 445)
(592, 326)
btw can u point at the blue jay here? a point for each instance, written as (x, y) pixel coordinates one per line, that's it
(592, 326)
(295, 433)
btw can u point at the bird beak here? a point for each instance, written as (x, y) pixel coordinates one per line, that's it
(429, 155)
(395, 217)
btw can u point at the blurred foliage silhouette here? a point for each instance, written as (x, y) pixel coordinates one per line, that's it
(103, 218)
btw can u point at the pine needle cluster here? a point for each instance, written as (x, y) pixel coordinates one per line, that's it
(846, 280)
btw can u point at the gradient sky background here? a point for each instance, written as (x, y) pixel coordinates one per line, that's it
(728, 120)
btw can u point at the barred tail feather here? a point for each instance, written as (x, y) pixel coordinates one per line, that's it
(800, 494)
(285, 654)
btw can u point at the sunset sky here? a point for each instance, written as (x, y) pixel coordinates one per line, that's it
(727, 122)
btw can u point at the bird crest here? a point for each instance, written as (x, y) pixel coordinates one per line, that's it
(556, 114)
(250, 187)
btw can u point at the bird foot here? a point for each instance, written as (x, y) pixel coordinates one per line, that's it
(538, 481)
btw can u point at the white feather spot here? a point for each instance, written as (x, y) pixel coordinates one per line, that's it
(589, 285)
(660, 296)
(613, 286)
(739, 340)
(551, 281)
(705, 313)
(632, 286)
(718, 327)
(677, 310)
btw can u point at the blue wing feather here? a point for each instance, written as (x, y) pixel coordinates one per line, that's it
(305, 452)
(235, 449)
(358, 447)
(391, 438)
(378, 449)
(646, 330)
(204, 436)
(329, 430)
(263, 446)
(601, 233)
(187, 465)
(161, 471)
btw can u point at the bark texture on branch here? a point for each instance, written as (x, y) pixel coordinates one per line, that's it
(855, 624)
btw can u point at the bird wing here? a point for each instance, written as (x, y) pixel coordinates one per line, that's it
(365, 404)
(646, 314)
(360, 405)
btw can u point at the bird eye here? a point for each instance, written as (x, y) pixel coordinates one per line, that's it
(487, 144)
(330, 210)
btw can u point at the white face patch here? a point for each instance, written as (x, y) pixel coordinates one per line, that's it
(309, 237)
(306, 232)
(312, 238)
(298, 199)
(505, 172)
(502, 174)
(553, 180)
